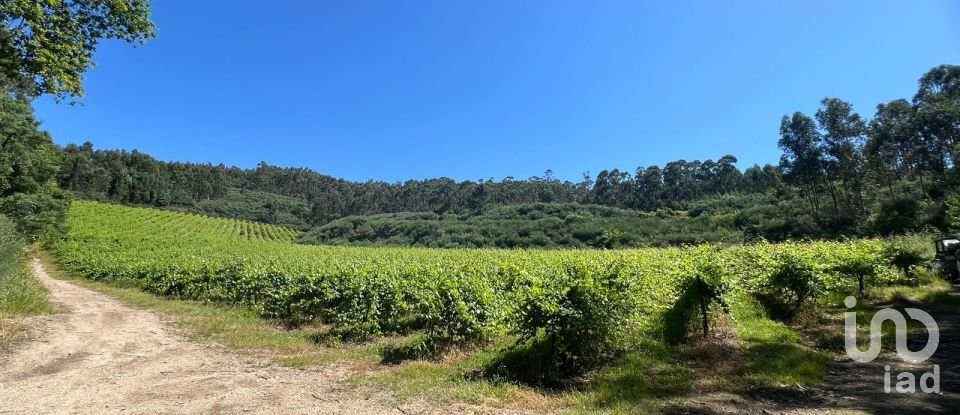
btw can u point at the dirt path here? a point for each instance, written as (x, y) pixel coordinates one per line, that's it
(98, 355)
(852, 387)
(860, 386)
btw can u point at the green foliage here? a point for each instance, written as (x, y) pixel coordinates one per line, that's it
(28, 159)
(50, 44)
(859, 267)
(524, 226)
(706, 286)
(906, 256)
(20, 293)
(897, 216)
(570, 310)
(461, 309)
(578, 317)
(257, 206)
(953, 211)
(28, 165)
(37, 215)
(794, 281)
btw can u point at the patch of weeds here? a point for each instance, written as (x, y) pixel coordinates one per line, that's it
(937, 293)
(452, 379)
(418, 347)
(774, 355)
(20, 292)
(654, 371)
(528, 363)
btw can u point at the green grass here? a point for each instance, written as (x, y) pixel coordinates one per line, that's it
(937, 292)
(775, 355)
(641, 381)
(638, 382)
(20, 293)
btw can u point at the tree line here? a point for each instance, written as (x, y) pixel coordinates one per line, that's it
(894, 172)
(137, 178)
(891, 173)
(896, 169)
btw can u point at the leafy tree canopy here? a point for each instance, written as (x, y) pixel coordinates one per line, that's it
(29, 162)
(47, 45)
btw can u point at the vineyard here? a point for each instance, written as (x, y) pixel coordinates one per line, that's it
(581, 305)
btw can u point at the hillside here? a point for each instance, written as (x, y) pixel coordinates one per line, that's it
(257, 206)
(544, 225)
(178, 226)
(517, 321)
(731, 218)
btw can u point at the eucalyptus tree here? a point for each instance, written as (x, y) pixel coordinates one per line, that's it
(802, 159)
(842, 137)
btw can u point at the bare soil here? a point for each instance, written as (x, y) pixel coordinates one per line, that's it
(98, 355)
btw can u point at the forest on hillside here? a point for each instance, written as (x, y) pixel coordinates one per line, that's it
(841, 173)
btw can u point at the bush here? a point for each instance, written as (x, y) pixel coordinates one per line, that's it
(461, 310)
(793, 281)
(858, 267)
(704, 288)
(577, 319)
(38, 216)
(367, 306)
(904, 257)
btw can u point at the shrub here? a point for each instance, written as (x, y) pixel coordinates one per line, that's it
(704, 288)
(461, 310)
(577, 319)
(905, 258)
(857, 267)
(793, 281)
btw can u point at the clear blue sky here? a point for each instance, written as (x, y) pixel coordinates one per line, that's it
(391, 90)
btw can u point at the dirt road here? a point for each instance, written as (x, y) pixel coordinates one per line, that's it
(852, 385)
(98, 355)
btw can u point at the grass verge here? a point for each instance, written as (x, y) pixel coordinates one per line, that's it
(20, 293)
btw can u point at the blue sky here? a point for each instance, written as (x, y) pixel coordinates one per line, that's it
(392, 90)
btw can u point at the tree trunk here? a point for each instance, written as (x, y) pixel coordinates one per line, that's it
(893, 195)
(833, 195)
(923, 187)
